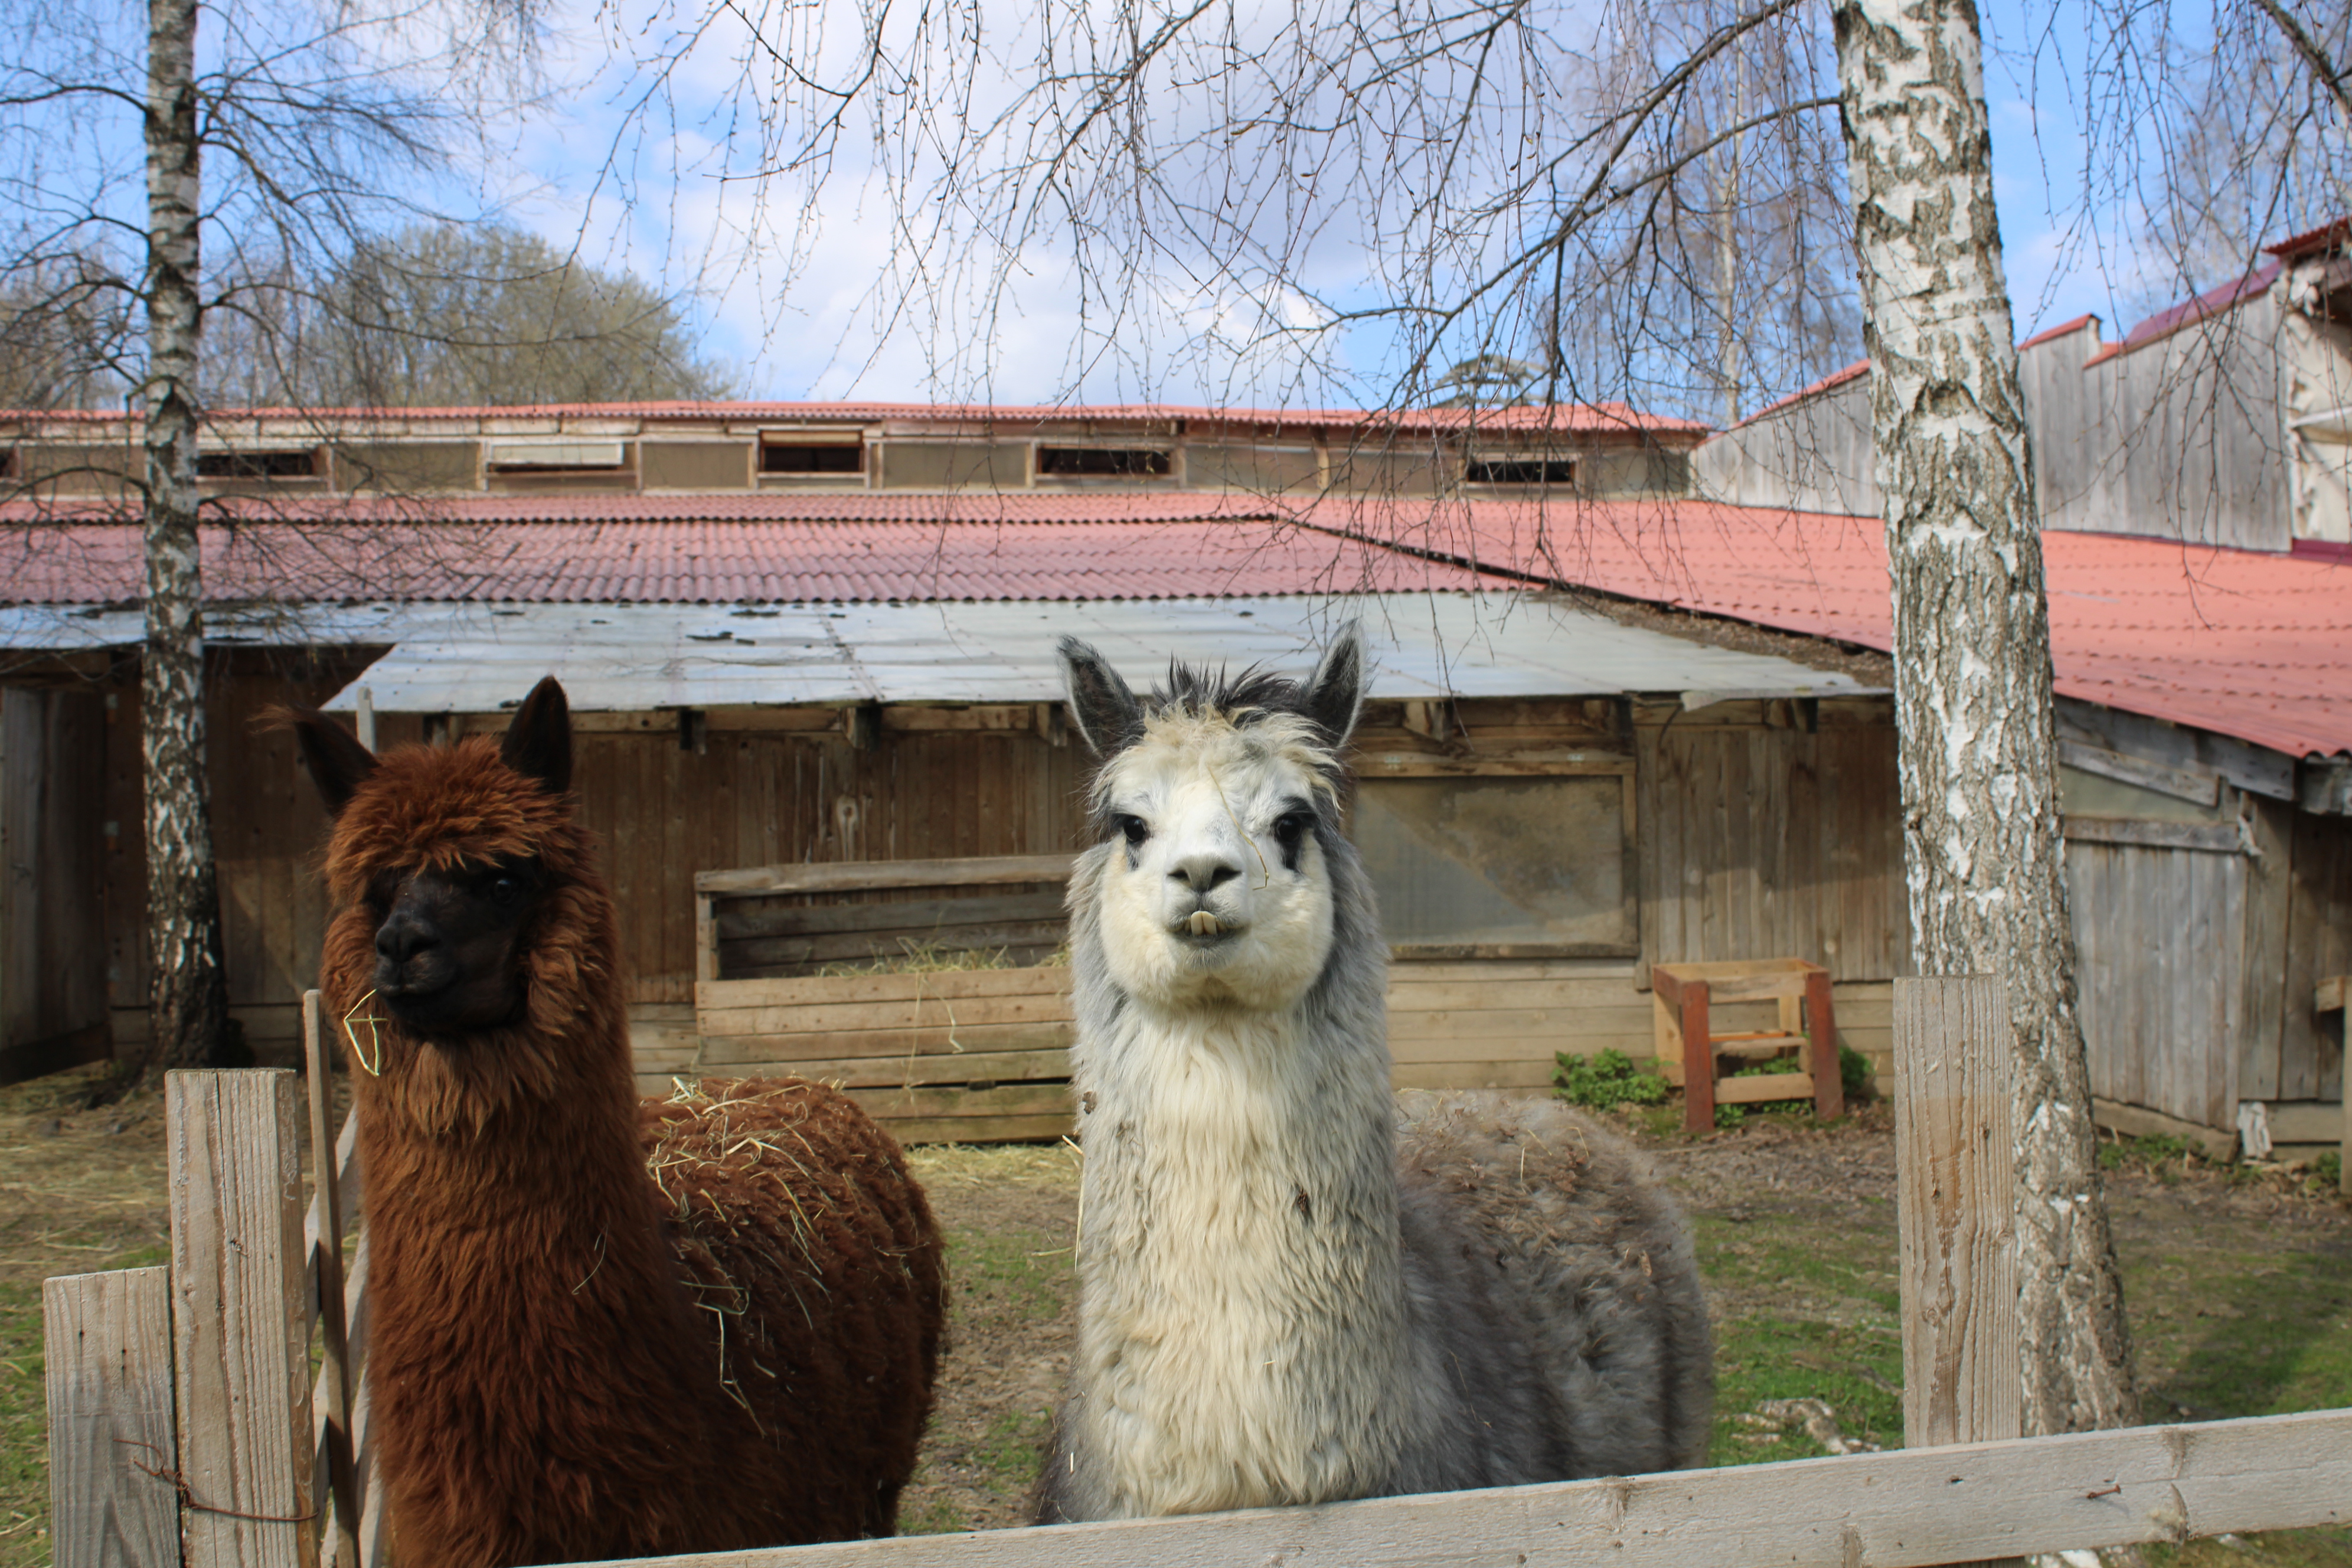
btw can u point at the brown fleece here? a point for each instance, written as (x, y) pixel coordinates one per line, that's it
(548, 1386)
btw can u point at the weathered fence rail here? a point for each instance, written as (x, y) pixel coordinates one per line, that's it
(185, 1426)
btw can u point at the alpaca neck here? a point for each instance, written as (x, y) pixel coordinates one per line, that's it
(526, 1246)
(1243, 1296)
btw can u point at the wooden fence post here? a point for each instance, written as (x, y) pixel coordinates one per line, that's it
(1955, 1177)
(331, 1483)
(240, 1328)
(1956, 1182)
(113, 1452)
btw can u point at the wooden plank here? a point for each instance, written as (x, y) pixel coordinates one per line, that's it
(2328, 995)
(1698, 1060)
(2262, 1009)
(740, 918)
(793, 1051)
(1763, 1088)
(1007, 1099)
(1829, 1083)
(1440, 997)
(979, 1129)
(745, 958)
(930, 1069)
(2139, 1122)
(330, 1404)
(1530, 1075)
(240, 1349)
(2211, 837)
(924, 1013)
(1955, 1177)
(106, 1340)
(1907, 1508)
(1409, 950)
(2196, 786)
(737, 995)
(867, 876)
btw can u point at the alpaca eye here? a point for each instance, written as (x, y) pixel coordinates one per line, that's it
(1289, 828)
(505, 890)
(1133, 826)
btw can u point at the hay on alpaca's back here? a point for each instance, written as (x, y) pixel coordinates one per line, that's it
(786, 1206)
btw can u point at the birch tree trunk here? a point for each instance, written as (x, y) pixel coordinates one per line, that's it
(187, 994)
(1972, 674)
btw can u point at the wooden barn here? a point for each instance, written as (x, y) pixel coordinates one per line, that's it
(819, 667)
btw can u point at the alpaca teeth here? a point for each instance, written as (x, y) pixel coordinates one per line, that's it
(1204, 923)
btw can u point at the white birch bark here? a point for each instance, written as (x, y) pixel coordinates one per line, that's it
(187, 990)
(1972, 673)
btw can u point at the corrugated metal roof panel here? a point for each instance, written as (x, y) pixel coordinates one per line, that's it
(633, 657)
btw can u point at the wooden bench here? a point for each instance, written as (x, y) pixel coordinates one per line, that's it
(1683, 997)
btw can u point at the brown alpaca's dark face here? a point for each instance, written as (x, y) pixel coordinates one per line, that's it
(450, 944)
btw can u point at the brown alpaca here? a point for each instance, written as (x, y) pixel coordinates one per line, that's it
(602, 1327)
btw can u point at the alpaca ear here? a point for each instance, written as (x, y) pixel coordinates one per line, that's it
(538, 744)
(1107, 715)
(1335, 692)
(338, 764)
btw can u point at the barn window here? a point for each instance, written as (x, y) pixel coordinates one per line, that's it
(812, 458)
(1495, 862)
(1105, 462)
(285, 463)
(1519, 471)
(558, 456)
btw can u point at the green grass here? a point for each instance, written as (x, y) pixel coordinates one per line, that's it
(24, 1431)
(1812, 1314)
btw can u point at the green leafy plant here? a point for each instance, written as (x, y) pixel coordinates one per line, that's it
(1854, 1072)
(1729, 1116)
(1605, 1081)
(2329, 1171)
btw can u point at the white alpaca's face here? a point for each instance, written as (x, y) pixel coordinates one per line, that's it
(1213, 889)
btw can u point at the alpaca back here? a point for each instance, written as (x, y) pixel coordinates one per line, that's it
(815, 1264)
(1550, 1267)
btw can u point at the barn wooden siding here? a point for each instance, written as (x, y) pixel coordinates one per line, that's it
(267, 826)
(52, 906)
(1760, 829)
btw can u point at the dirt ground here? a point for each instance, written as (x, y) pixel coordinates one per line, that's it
(2239, 1285)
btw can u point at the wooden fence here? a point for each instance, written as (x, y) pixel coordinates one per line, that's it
(186, 1427)
(185, 1424)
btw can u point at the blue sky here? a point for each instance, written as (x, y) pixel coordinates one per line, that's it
(796, 329)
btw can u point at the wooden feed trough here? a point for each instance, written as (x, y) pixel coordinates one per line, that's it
(935, 1055)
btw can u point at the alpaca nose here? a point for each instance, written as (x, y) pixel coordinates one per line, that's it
(1202, 872)
(403, 936)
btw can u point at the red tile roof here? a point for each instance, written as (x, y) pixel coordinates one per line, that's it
(1860, 367)
(2217, 300)
(2049, 334)
(2326, 236)
(1577, 417)
(2254, 645)
(685, 554)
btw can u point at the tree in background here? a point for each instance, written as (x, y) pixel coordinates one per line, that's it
(301, 128)
(446, 315)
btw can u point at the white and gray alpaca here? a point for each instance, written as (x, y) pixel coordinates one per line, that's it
(1286, 1294)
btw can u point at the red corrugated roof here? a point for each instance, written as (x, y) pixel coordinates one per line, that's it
(2254, 645)
(2217, 300)
(2326, 236)
(1580, 417)
(699, 560)
(2048, 333)
(1860, 367)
